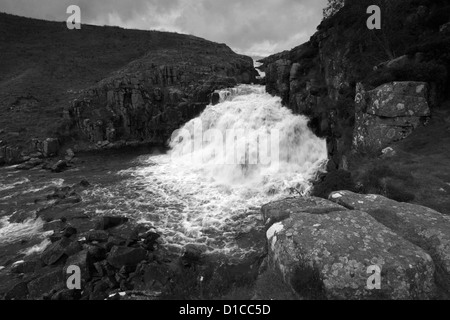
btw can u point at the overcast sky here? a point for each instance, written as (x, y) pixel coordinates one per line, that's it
(253, 27)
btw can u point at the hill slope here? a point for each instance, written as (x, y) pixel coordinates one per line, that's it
(44, 67)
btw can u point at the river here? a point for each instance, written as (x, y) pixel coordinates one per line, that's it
(195, 193)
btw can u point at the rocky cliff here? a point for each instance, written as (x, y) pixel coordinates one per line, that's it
(156, 94)
(344, 62)
(379, 98)
(103, 84)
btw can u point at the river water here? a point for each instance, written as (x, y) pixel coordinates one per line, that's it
(194, 193)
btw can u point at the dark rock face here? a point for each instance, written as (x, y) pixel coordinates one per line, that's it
(155, 95)
(320, 78)
(389, 113)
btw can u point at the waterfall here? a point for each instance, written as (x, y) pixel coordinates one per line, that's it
(250, 139)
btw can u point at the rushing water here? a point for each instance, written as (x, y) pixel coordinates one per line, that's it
(194, 193)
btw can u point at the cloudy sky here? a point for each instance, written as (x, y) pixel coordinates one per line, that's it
(253, 27)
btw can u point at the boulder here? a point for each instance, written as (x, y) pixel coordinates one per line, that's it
(82, 260)
(25, 267)
(22, 216)
(45, 284)
(192, 254)
(18, 292)
(30, 164)
(424, 227)
(50, 147)
(55, 252)
(123, 256)
(281, 210)
(56, 226)
(105, 223)
(60, 166)
(445, 28)
(97, 235)
(389, 113)
(328, 256)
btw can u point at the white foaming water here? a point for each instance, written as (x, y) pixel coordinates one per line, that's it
(195, 197)
(14, 232)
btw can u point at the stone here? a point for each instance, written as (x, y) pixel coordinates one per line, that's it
(70, 153)
(69, 232)
(215, 98)
(84, 183)
(45, 284)
(327, 256)
(105, 223)
(281, 210)
(21, 216)
(192, 254)
(398, 62)
(96, 253)
(445, 28)
(123, 256)
(50, 147)
(82, 260)
(426, 228)
(56, 226)
(67, 295)
(30, 164)
(150, 240)
(18, 292)
(60, 166)
(388, 152)
(97, 235)
(55, 252)
(153, 277)
(25, 267)
(389, 113)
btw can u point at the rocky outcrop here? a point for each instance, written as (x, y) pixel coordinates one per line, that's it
(323, 249)
(125, 88)
(320, 78)
(389, 113)
(153, 96)
(9, 154)
(426, 228)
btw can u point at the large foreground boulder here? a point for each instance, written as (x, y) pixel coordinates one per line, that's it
(424, 227)
(328, 255)
(281, 210)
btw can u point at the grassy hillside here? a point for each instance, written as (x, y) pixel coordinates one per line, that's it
(43, 66)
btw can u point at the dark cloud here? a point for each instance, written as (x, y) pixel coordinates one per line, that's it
(255, 27)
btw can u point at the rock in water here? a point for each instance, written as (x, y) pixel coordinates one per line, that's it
(46, 283)
(51, 147)
(55, 252)
(123, 256)
(424, 227)
(105, 223)
(60, 166)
